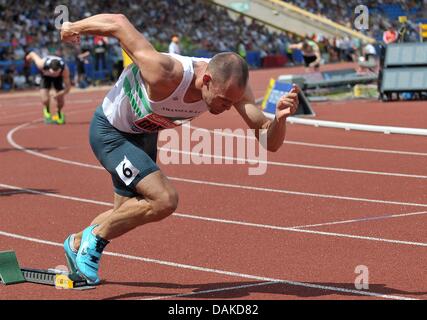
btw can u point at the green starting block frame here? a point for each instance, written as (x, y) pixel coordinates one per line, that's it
(12, 273)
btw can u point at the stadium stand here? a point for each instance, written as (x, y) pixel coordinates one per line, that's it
(29, 26)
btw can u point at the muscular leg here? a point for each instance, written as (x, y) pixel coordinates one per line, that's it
(160, 200)
(44, 94)
(118, 201)
(60, 103)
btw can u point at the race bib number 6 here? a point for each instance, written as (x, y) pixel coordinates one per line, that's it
(126, 171)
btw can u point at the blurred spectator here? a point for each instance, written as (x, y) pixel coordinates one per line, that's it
(369, 52)
(347, 49)
(7, 79)
(100, 49)
(174, 45)
(311, 53)
(208, 29)
(82, 59)
(19, 81)
(241, 48)
(26, 70)
(342, 12)
(407, 32)
(116, 57)
(368, 60)
(289, 55)
(390, 35)
(29, 26)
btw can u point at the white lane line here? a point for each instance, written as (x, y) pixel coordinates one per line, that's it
(232, 222)
(194, 293)
(328, 146)
(272, 227)
(283, 164)
(218, 271)
(362, 219)
(294, 165)
(9, 193)
(283, 191)
(36, 104)
(42, 155)
(296, 193)
(23, 114)
(54, 195)
(17, 115)
(318, 145)
(19, 190)
(315, 145)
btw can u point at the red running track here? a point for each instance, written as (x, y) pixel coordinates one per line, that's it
(330, 201)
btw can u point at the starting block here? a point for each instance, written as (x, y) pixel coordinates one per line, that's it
(11, 273)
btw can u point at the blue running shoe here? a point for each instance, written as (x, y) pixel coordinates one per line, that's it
(70, 254)
(89, 255)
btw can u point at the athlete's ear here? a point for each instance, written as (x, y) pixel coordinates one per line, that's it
(206, 79)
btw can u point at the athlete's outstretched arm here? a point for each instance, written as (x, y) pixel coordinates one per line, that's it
(154, 66)
(32, 56)
(255, 119)
(296, 46)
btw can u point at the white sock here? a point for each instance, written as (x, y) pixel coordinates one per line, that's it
(93, 230)
(71, 241)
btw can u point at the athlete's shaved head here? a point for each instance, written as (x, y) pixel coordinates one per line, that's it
(229, 66)
(224, 81)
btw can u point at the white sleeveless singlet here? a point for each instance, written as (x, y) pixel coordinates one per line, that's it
(129, 109)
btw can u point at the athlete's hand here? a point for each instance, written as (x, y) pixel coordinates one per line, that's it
(59, 94)
(67, 35)
(29, 57)
(288, 104)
